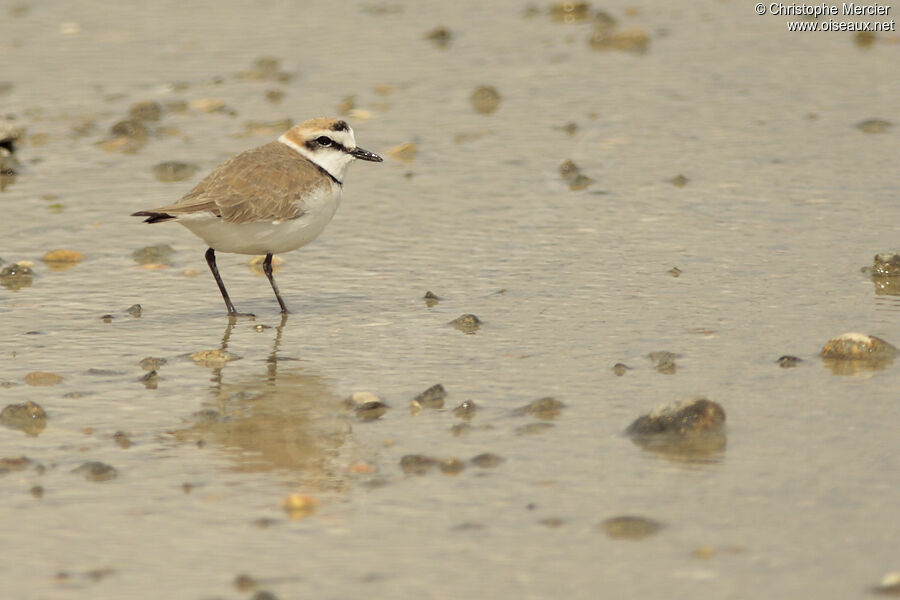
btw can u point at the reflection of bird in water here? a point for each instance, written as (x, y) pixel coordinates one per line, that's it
(282, 418)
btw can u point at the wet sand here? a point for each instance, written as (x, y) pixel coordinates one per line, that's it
(785, 201)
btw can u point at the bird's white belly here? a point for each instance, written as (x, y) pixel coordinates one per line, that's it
(263, 237)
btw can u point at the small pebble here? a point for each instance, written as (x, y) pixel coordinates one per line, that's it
(787, 362)
(146, 111)
(433, 397)
(42, 378)
(431, 299)
(679, 181)
(487, 460)
(150, 379)
(485, 99)
(274, 96)
(173, 170)
(440, 36)
(665, 361)
(544, 408)
(16, 276)
(874, 126)
(571, 173)
(675, 272)
(37, 491)
(369, 411)
(630, 528)
(64, 258)
(214, 359)
(687, 417)
(570, 12)
(245, 583)
(620, 369)
(886, 264)
(159, 254)
(299, 506)
(633, 40)
(122, 440)
(552, 522)
(107, 318)
(451, 466)
(416, 464)
(466, 411)
(467, 323)
(96, 471)
(135, 310)
(152, 363)
(864, 39)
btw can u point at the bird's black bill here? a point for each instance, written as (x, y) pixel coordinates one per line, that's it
(365, 155)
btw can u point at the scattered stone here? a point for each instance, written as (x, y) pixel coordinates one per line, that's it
(552, 522)
(570, 172)
(461, 429)
(207, 105)
(630, 528)
(245, 583)
(690, 429)
(146, 111)
(665, 361)
(864, 39)
(451, 466)
(433, 397)
(122, 439)
(7, 465)
(544, 408)
(416, 464)
(96, 471)
(150, 379)
(299, 506)
(533, 428)
(440, 36)
(889, 585)
(36, 492)
(369, 411)
(466, 411)
(874, 126)
(430, 299)
(173, 170)
(788, 362)
(886, 264)
(487, 460)
(62, 259)
(675, 272)
(135, 310)
(214, 359)
(16, 276)
(632, 40)
(152, 255)
(679, 181)
(42, 378)
(127, 136)
(405, 153)
(485, 99)
(107, 318)
(620, 369)
(853, 353)
(467, 323)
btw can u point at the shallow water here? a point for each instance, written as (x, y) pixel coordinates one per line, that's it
(786, 201)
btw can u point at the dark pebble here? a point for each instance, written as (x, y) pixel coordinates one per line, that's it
(369, 411)
(544, 408)
(451, 466)
(679, 181)
(245, 583)
(15, 277)
(107, 318)
(664, 361)
(874, 126)
(487, 460)
(786, 362)
(466, 411)
(28, 417)
(96, 471)
(135, 310)
(485, 99)
(620, 369)
(433, 397)
(431, 299)
(440, 36)
(416, 464)
(152, 363)
(467, 323)
(161, 253)
(130, 128)
(689, 430)
(630, 528)
(122, 440)
(37, 491)
(146, 111)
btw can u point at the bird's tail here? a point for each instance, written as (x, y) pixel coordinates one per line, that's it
(153, 216)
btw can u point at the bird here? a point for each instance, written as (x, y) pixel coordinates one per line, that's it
(270, 199)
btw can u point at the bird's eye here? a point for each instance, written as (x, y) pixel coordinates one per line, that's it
(324, 141)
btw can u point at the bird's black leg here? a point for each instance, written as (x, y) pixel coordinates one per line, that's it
(267, 269)
(211, 261)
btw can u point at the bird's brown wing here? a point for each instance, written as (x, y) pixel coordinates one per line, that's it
(262, 184)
